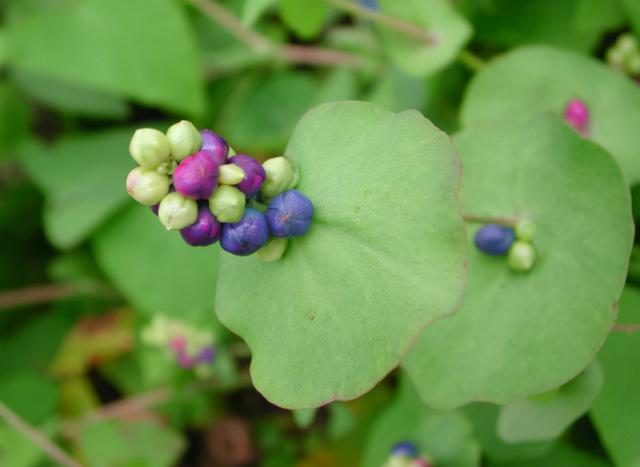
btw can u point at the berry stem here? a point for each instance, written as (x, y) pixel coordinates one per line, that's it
(405, 27)
(506, 221)
(471, 60)
(626, 328)
(263, 46)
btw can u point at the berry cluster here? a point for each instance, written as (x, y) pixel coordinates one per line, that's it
(189, 347)
(624, 55)
(405, 454)
(497, 240)
(194, 185)
(576, 114)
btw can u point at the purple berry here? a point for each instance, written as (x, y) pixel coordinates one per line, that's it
(494, 239)
(214, 145)
(405, 449)
(196, 176)
(370, 4)
(246, 236)
(576, 114)
(206, 355)
(205, 230)
(289, 214)
(254, 174)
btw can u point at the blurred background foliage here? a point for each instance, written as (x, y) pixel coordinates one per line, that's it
(77, 287)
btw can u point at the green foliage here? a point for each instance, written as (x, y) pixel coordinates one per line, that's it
(335, 287)
(122, 48)
(509, 341)
(305, 18)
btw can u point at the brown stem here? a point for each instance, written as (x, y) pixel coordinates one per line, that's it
(36, 437)
(627, 328)
(506, 221)
(35, 295)
(405, 27)
(262, 45)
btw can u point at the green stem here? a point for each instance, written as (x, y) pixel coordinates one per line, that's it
(471, 60)
(506, 221)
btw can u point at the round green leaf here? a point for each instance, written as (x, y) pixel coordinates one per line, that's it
(546, 417)
(446, 437)
(616, 413)
(564, 455)
(384, 257)
(155, 269)
(449, 31)
(530, 80)
(520, 334)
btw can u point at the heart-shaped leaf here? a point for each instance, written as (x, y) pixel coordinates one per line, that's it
(530, 80)
(616, 413)
(385, 256)
(448, 29)
(546, 416)
(520, 334)
(445, 437)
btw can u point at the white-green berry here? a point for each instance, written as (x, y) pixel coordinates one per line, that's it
(177, 211)
(147, 186)
(525, 230)
(149, 148)
(522, 256)
(227, 204)
(184, 140)
(280, 176)
(273, 250)
(230, 174)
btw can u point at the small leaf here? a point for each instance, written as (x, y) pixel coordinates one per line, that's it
(305, 18)
(498, 347)
(303, 418)
(531, 80)
(446, 437)
(31, 395)
(632, 8)
(254, 9)
(155, 269)
(384, 257)
(83, 180)
(536, 419)
(448, 29)
(14, 121)
(134, 49)
(616, 413)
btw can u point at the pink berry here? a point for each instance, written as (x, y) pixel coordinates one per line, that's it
(178, 344)
(576, 114)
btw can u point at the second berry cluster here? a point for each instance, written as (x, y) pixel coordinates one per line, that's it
(198, 186)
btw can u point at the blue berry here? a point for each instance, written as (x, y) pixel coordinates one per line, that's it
(289, 214)
(254, 174)
(246, 236)
(405, 449)
(494, 239)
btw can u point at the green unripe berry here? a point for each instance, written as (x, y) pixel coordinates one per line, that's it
(522, 256)
(227, 204)
(273, 250)
(279, 176)
(626, 44)
(230, 174)
(525, 230)
(632, 64)
(149, 148)
(147, 186)
(184, 140)
(177, 211)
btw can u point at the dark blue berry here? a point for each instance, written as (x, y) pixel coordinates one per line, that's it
(404, 448)
(205, 230)
(494, 239)
(289, 214)
(246, 236)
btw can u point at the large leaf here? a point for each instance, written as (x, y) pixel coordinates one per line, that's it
(448, 29)
(616, 413)
(633, 10)
(155, 269)
(564, 455)
(520, 334)
(534, 79)
(446, 437)
(83, 179)
(384, 257)
(546, 416)
(133, 48)
(14, 120)
(305, 18)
